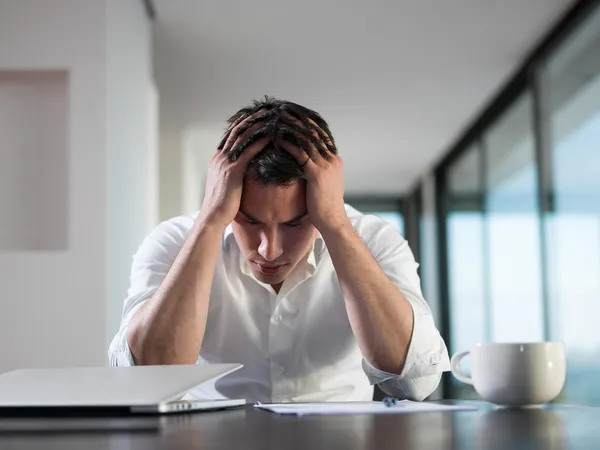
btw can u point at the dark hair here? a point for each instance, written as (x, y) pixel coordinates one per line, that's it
(282, 121)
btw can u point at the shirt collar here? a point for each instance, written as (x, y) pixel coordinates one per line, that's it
(316, 253)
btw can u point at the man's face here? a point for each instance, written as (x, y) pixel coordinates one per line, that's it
(272, 229)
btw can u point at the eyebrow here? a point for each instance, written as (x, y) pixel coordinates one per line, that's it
(295, 219)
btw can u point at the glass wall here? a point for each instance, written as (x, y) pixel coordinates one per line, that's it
(468, 306)
(521, 215)
(512, 222)
(572, 224)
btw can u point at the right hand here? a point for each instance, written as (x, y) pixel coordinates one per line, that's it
(225, 179)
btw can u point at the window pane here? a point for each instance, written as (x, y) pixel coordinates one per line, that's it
(573, 224)
(466, 290)
(465, 270)
(513, 228)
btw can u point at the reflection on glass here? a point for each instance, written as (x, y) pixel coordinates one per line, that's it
(467, 290)
(494, 226)
(465, 261)
(573, 224)
(513, 227)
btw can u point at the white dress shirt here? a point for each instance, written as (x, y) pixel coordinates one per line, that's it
(297, 345)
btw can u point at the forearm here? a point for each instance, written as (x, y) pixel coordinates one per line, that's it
(169, 328)
(380, 316)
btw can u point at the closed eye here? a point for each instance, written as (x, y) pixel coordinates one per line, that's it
(292, 224)
(251, 221)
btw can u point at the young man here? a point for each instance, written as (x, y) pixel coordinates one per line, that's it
(318, 301)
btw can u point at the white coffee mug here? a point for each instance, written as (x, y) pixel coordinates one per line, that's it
(519, 374)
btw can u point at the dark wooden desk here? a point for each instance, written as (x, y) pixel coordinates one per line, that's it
(550, 428)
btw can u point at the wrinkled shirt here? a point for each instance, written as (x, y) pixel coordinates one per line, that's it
(295, 345)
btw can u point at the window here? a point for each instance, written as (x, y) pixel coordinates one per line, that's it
(524, 265)
(494, 239)
(572, 223)
(512, 227)
(466, 264)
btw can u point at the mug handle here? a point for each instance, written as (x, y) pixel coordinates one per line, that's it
(455, 366)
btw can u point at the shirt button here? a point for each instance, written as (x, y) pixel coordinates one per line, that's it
(278, 318)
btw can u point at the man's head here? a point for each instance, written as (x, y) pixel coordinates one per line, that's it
(272, 227)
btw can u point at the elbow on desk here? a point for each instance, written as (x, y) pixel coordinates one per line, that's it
(415, 389)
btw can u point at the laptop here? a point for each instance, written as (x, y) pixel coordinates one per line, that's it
(137, 390)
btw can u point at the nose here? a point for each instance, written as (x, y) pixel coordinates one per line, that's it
(270, 245)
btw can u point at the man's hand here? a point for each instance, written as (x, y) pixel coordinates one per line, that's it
(380, 316)
(169, 328)
(325, 184)
(225, 179)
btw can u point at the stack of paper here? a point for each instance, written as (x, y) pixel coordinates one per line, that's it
(404, 406)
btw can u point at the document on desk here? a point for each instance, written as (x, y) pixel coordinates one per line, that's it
(337, 408)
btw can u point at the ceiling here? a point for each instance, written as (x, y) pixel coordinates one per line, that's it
(397, 80)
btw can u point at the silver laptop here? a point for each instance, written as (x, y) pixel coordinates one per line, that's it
(140, 389)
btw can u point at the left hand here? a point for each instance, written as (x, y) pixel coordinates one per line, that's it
(325, 185)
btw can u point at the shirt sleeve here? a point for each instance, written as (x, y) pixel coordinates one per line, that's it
(427, 355)
(151, 263)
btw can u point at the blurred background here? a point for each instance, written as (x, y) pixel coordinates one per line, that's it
(473, 125)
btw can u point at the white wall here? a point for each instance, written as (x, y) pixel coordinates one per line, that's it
(199, 145)
(171, 160)
(56, 307)
(52, 311)
(131, 145)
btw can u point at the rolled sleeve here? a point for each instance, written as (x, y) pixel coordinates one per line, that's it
(151, 263)
(119, 353)
(427, 357)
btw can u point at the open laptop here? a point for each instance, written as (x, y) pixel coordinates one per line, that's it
(139, 389)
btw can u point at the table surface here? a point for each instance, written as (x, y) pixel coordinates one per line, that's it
(551, 427)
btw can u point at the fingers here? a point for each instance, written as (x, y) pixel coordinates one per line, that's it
(301, 137)
(237, 129)
(228, 132)
(299, 155)
(316, 140)
(252, 150)
(223, 140)
(243, 144)
(322, 136)
(232, 137)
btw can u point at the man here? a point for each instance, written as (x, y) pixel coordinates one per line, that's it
(318, 301)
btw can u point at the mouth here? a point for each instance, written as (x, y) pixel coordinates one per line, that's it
(269, 270)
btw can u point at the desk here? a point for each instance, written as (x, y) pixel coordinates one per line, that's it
(550, 428)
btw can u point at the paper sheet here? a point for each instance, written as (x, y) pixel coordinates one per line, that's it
(402, 407)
